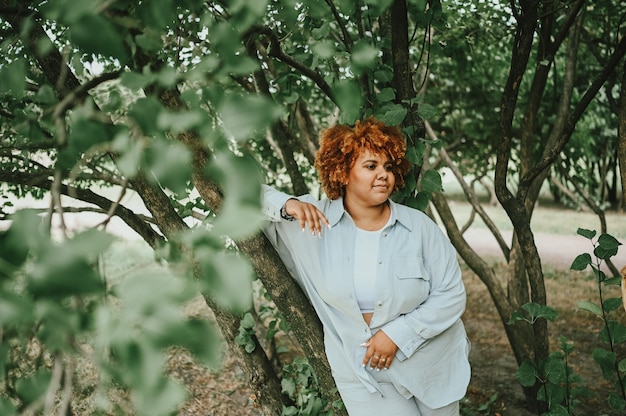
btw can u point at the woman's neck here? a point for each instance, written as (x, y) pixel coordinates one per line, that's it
(369, 218)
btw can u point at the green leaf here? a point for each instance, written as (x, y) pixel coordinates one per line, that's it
(613, 281)
(612, 304)
(150, 40)
(590, 307)
(107, 42)
(536, 311)
(198, 336)
(517, 316)
(321, 32)
(394, 116)
(427, 111)
(589, 234)
(14, 244)
(170, 164)
(386, 94)
(608, 242)
(324, 49)
(419, 201)
(606, 360)
(240, 178)
(68, 268)
(581, 262)
(349, 99)
(616, 330)
(180, 121)
(13, 78)
(555, 370)
(247, 321)
(605, 251)
(15, 309)
(130, 154)
(32, 388)
(45, 95)
(288, 386)
(160, 400)
(616, 402)
(228, 279)
(527, 374)
(247, 116)
(157, 14)
(136, 82)
(431, 181)
(364, 55)
(145, 112)
(7, 408)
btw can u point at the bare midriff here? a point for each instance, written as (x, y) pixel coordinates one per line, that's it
(367, 317)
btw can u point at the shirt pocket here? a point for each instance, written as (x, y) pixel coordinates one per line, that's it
(411, 283)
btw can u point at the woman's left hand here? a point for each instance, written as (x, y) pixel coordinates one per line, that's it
(380, 352)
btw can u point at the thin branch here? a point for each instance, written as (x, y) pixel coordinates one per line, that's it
(471, 196)
(82, 91)
(66, 397)
(275, 51)
(54, 385)
(576, 114)
(138, 223)
(347, 40)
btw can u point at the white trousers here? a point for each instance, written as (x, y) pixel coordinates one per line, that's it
(360, 402)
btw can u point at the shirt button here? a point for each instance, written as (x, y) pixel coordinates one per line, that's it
(384, 234)
(379, 303)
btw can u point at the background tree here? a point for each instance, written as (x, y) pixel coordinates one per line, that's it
(192, 104)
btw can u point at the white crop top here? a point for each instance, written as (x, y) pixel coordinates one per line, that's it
(365, 268)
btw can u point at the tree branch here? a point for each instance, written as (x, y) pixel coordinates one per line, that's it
(276, 51)
(135, 222)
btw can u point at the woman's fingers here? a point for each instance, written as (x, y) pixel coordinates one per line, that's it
(307, 215)
(381, 351)
(378, 361)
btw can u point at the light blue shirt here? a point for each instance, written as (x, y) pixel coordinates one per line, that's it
(420, 296)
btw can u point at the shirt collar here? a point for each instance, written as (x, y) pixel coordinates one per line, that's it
(336, 211)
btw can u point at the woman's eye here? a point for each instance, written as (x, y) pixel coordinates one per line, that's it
(389, 168)
(370, 167)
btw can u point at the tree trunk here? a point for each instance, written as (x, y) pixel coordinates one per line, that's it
(621, 135)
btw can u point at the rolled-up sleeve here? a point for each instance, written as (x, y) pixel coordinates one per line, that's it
(272, 202)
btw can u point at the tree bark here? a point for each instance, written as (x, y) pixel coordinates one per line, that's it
(621, 134)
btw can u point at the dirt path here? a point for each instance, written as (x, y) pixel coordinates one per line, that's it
(556, 251)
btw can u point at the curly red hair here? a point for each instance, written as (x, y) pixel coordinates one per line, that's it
(341, 145)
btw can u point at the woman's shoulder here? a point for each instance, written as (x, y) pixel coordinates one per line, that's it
(411, 212)
(413, 218)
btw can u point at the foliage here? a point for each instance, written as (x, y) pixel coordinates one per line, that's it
(561, 387)
(300, 384)
(192, 104)
(613, 331)
(58, 309)
(485, 409)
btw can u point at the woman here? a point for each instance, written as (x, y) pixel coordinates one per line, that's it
(383, 279)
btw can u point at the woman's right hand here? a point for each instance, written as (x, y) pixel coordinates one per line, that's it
(307, 215)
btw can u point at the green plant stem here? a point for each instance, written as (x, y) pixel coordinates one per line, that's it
(608, 332)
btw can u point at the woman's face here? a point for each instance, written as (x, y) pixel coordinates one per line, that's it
(370, 180)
